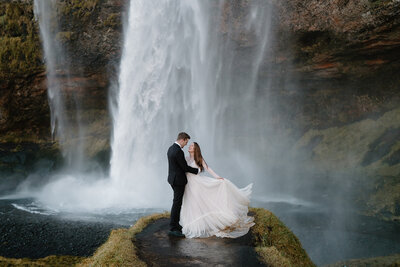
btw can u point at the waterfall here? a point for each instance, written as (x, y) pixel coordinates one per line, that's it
(66, 127)
(185, 66)
(178, 73)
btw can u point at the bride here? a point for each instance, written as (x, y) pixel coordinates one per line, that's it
(213, 206)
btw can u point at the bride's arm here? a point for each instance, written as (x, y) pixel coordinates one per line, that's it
(210, 171)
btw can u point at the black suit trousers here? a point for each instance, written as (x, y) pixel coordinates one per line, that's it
(176, 207)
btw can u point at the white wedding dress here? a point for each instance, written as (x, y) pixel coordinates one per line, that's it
(214, 206)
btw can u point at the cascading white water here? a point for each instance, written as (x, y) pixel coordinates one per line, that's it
(43, 12)
(178, 74)
(66, 128)
(184, 68)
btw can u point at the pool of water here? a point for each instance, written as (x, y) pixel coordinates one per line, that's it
(28, 229)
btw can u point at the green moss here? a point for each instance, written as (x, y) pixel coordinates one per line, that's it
(119, 250)
(65, 37)
(59, 261)
(378, 3)
(20, 52)
(80, 10)
(25, 136)
(275, 243)
(384, 200)
(2, 10)
(368, 150)
(3, 20)
(113, 20)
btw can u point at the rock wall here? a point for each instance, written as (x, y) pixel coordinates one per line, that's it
(342, 56)
(22, 96)
(345, 56)
(91, 32)
(335, 68)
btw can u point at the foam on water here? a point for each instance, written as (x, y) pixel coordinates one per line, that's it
(33, 208)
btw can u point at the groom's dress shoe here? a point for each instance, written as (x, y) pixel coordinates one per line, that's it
(176, 233)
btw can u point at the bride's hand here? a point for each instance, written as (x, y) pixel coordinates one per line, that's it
(220, 178)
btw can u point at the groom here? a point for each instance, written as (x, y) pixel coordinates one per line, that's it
(177, 168)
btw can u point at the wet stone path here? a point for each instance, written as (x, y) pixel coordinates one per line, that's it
(156, 248)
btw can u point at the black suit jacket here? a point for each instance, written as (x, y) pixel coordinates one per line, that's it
(177, 166)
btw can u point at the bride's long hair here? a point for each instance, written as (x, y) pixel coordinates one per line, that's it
(198, 157)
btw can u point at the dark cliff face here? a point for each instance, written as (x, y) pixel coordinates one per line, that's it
(346, 55)
(342, 57)
(20, 68)
(335, 66)
(90, 31)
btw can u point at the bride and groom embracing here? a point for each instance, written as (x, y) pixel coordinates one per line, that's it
(204, 206)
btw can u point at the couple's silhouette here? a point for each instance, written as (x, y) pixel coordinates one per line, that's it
(204, 206)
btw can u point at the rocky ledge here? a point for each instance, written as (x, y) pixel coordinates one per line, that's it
(269, 243)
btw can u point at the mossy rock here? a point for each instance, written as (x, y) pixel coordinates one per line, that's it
(20, 52)
(79, 10)
(113, 20)
(275, 243)
(119, 250)
(65, 37)
(379, 3)
(368, 150)
(56, 261)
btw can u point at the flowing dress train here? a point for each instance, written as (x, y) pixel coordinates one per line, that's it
(214, 206)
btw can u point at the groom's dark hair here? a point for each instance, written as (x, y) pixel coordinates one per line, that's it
(183, 136)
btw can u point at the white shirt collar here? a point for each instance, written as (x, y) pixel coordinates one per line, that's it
(178, 144)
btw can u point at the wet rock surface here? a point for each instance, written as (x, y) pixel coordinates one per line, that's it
(156, 248)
